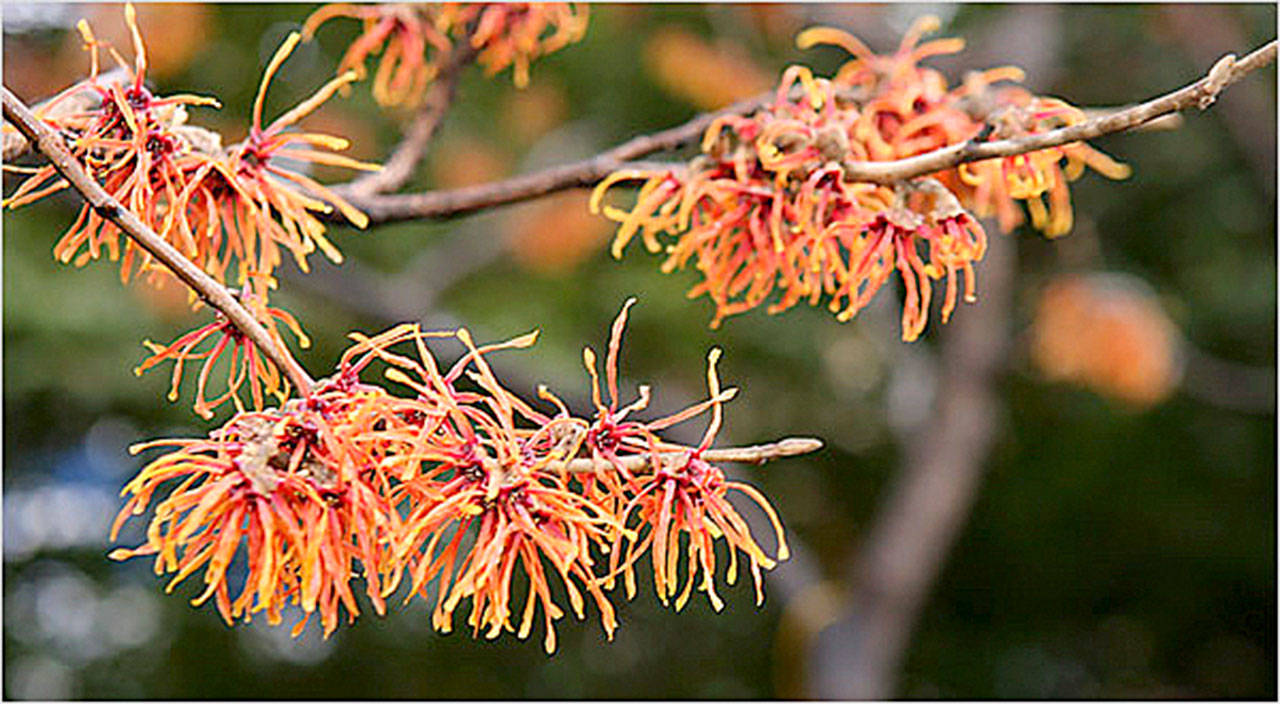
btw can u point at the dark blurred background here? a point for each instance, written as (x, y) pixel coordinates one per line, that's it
(1110, 527)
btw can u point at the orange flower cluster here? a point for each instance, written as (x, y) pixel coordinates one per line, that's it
(768, 204)
(214, 205)
(230, 211)
(246, 365)
(452, 490)
(132, 141)
(416, 40)
(1108, 333)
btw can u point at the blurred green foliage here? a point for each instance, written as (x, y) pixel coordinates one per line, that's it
(1112, 552)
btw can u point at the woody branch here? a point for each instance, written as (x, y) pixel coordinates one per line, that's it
(588, 172)
(446, 203)
(404, 159)
(753, 454)
(1200, 94)
(45, 141)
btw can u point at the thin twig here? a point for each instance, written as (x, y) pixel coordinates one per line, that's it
(759, 454)
(402, 163)
(1164, 123)
(47, 143)
(1249, 117)
(1200, 94)
(439, 204)
(751, 454)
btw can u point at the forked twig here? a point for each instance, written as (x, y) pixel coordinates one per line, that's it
(404, 159)
(446, 203)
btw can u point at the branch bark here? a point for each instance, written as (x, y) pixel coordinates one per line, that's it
(752, 454)
(402, 163)
(1203, 30)
(48, 144)
(440, 204)
(1201, 94)
(588, 172)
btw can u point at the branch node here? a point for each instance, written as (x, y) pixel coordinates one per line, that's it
(1219, 76)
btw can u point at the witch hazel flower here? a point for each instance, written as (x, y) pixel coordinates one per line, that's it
(753, 212)
(686, 495)
(246, 365)
(251, 206)
(417, 40)
(461, 492)
(772, 204)
(279, 491)
(402, 34)
(514, 34)
(1035, 176)
(134, 142)
(229, 210)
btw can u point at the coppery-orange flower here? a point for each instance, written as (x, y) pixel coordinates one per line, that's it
(1035, 175)
(246, 365)
(458, 487)
(515, 33)
(685, 494)
(290, 485)
(262, 206)
(404, 36)
(415, 40)
(474, 467)
(216, 206)
(769, 205)
(134, 142)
